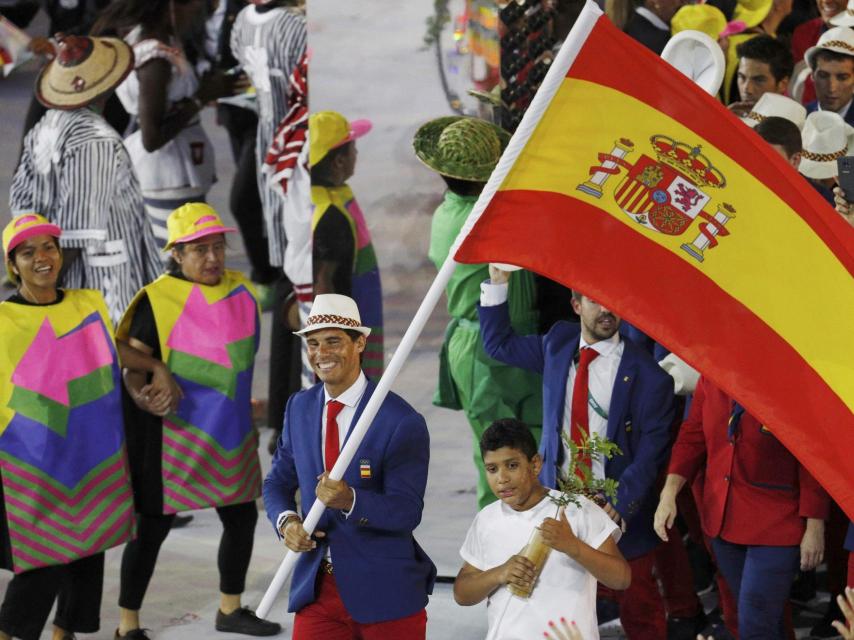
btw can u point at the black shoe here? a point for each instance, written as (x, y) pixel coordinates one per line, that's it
(825, 629)
(134, 634)
(803, 588)
(717, 631)
(69, 636)
(180, 521)
(685, 628)
(245, 621)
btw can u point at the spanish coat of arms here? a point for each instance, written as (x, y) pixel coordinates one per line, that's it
(666, 194)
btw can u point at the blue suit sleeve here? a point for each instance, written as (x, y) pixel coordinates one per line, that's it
(653, 415)
(398, 507)
(281, 483)
(502, 343)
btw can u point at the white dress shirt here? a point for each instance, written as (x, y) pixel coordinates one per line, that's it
(350, 399)
(600, 384)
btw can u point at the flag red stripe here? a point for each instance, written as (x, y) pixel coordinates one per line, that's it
(643, 77)
(806, 414)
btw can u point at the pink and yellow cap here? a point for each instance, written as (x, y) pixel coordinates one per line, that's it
(26, 226)
(328, 130)
(192, 221)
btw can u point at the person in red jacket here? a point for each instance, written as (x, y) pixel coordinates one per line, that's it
(761, 508)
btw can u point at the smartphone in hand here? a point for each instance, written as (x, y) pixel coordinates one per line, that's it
(845, 177)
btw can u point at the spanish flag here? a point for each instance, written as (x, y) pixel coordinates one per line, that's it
(629, 183)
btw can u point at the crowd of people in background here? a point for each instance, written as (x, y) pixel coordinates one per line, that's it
(111, 241)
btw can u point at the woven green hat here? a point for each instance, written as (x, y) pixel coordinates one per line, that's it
(460, 147)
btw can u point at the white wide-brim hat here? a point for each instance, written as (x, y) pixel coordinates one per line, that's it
(697, 56)
(333, 311)
(838, 39)
(844, 18)
(826, 138)
(776, 105)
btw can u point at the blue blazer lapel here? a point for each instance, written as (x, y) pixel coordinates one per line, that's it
(556, 380)
(369, 391)
(626, 373)
(316, 427)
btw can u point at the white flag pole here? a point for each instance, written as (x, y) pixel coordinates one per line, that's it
(549, 87)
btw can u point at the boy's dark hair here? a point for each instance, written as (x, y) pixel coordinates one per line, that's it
(463, 187)
(830, 56)
(508, 432)
(770, 51)
(780, 131)
(321, 173)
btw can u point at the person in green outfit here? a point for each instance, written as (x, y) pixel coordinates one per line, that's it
(464, 151)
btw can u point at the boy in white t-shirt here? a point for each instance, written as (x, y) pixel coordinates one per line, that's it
(583, 542)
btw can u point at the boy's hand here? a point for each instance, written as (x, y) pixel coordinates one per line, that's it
(518, 571)
(558, 534)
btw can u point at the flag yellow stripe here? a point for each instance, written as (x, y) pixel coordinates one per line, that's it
(772, 262)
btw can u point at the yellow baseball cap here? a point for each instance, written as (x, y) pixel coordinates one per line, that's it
(192, 221)
(328, 130)
(23, 227)
(26, 226)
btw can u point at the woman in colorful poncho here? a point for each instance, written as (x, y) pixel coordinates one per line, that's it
(66, 492)
(202, 321)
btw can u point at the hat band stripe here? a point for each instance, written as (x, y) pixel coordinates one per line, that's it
(329, 318)
(756, 116)
(841, 44)
(823, 157)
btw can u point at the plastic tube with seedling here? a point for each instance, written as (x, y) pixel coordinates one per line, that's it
(578, 480)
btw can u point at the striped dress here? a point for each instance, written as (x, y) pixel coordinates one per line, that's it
(75, 170)
(269, 45)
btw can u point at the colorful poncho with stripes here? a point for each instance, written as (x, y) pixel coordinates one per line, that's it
(63, 462)
(367, 288)
(208, 338)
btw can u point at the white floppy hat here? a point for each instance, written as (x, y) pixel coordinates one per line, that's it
(838, 39)
(333, 311)
(697, 56)
(844, 18)
(776, 105)
(826, 138)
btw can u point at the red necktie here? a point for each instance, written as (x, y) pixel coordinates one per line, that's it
(332, 444)
(579, 418)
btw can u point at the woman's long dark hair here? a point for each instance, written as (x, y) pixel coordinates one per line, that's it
(120, 16)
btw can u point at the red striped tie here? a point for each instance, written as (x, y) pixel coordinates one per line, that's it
(332, 443)
(579, 416)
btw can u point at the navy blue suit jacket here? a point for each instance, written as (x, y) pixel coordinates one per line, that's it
(849, 117)
(380, 571)
(639, 417)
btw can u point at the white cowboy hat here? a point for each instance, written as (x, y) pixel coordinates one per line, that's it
(333, 311)
(774, 104)
(697, 56)
(838, 39)
(826, 138)
(844, 18)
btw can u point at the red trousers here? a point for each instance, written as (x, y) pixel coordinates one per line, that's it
(641, 607)
(327, 618)
(677, 579)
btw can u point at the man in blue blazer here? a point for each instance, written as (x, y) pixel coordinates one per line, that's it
(362, 574)
(630, 403)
